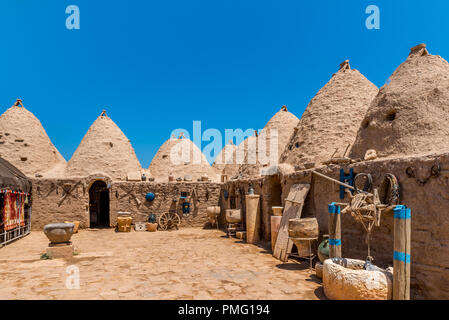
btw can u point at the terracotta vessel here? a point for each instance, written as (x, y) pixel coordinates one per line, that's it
(124, 224)
(76, 224)
(212, 214)
(233, 216)
(277, 211)
(303, 228)
(151, 227)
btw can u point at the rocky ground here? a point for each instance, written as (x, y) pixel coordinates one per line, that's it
(185, 264)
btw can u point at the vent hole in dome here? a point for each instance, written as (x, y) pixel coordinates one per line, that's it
(391, 116)
(365, 124)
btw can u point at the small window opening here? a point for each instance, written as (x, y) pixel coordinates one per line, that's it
(365, 124)
(391, 116)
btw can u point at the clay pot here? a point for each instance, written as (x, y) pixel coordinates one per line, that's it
(151, 227)
(124, 224)
(59, 232)
(277, 211)
(319, 270)
(233, 216)
(303, 228)
(212, 213)
(323, 250)
(77, 225)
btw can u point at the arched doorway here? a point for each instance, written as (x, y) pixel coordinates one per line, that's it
(99, 205)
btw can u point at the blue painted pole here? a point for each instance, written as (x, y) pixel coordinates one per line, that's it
(334, 231)
(401, 255)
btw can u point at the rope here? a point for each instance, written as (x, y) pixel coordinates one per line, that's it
(368, 187)
(389, 190)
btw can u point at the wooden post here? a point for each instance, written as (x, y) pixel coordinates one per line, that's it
(334, 231)
(401, 257)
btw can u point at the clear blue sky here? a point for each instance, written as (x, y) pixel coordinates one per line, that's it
(159, 65)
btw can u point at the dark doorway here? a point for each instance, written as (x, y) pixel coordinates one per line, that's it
(99, 205)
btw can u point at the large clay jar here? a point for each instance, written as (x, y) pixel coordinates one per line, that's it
(323, 250)
(59, 232)
(124, 224)
(303, 228)
(76, 224)
(151, 227)
(212, 213)
(233, 216)
(277, 211)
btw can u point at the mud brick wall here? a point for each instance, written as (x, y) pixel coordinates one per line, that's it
(428, 199)
(130, 197)
(51, 204)
(426, 195)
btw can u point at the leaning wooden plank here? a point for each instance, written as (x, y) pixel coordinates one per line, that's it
(292, 209)
(297, 206)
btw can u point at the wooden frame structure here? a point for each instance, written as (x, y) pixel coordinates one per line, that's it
(402, 241)
(402, 246)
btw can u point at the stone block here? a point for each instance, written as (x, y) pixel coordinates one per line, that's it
(60, 251)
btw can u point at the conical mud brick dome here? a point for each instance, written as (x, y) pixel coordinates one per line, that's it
(330, 122)
(181, 159)
(24, 142)
(226, 158)
(239, 154)
(410, 115)
(104, 149)
(277, 132)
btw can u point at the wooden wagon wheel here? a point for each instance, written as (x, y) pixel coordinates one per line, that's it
(169, 220)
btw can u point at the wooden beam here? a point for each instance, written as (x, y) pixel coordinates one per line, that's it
(333, 180)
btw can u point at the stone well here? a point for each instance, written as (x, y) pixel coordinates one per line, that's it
(346, 279)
